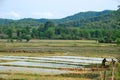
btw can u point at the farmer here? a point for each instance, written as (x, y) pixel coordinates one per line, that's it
(113, 62)
(103, 63)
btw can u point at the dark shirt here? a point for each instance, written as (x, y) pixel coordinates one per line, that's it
(103, 62)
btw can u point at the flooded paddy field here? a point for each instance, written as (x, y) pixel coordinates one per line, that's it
(46, 65)
(54, 60)
(49, 67)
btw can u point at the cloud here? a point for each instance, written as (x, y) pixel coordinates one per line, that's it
(19, 15)
(43, 14)
(10, 15)
(14, 14)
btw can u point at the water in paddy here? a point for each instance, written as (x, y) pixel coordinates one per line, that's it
(47, 64)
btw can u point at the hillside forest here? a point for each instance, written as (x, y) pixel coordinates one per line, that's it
(103, 26)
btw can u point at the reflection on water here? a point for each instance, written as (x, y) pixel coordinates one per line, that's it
(34, 64)
(53, 62)
(32, 70)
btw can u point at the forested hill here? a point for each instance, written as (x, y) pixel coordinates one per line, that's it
(75, 17)
(103, 26)
(103, 19)
(85, 15)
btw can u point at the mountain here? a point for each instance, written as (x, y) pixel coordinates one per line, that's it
(105, 19)
(85, 15)
(82, 19)
(5, 21)
(103, 26)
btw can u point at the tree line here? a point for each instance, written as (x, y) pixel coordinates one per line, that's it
(50, 31)
(104, 28)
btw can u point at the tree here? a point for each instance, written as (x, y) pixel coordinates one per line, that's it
(27, 37)
(50, 33)
(19, 35)
(118, 6)
(10, 34)
(48, 25)
(49, 30)
(118, 41)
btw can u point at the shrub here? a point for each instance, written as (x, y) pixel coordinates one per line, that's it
(118, 41)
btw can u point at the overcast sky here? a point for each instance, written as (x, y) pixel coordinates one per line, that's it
(17, 9)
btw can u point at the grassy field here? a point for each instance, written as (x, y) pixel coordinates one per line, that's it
(89, 48)
(40, 77)
(53, 43)
(59, 47)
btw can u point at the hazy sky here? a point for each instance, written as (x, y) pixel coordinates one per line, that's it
(16, 9)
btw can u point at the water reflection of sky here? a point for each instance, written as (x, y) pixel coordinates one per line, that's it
(52, 61)
(41, 71)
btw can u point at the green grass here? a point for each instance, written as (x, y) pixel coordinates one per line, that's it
(19, 76)
(60, 47)
(109, 51)
(53, 43)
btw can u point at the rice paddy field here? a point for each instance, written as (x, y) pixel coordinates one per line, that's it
(57, 60)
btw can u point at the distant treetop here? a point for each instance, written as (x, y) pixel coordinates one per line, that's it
(118, 6)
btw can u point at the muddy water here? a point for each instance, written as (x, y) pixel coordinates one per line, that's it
(31, 70)
(46, 64)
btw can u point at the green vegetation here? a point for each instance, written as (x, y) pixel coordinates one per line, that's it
(118, 71)
(59, 47)
(28, 76)
(102, 26)
(95, 34)
(118, 41)
(74, 47)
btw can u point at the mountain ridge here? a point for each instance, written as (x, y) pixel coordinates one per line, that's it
(103, 26)
(77, 16)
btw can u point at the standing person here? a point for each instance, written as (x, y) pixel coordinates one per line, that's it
(113, 62)
(103, 63)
